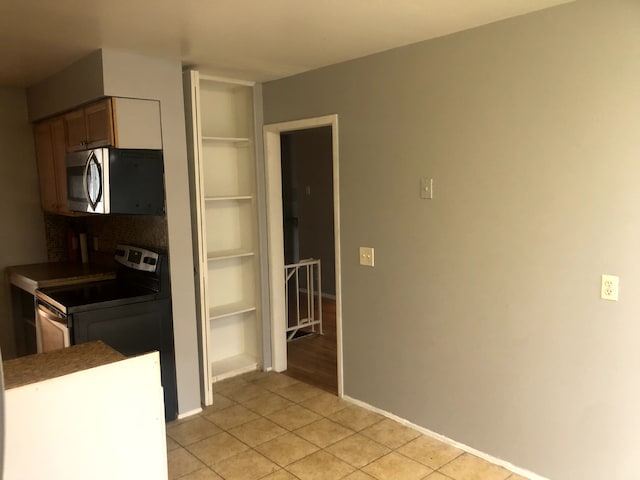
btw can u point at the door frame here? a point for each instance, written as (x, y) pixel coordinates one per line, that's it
(275, 236)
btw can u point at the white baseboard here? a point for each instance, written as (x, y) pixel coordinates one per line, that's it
(190, 413)
(466, 448)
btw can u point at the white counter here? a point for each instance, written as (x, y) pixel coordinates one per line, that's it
(101, 423)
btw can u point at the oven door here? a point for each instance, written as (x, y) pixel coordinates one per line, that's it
(88, 180)
(52, 330)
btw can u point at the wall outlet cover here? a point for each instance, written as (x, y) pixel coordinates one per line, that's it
(609, 287)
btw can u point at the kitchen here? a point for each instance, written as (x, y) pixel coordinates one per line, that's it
(32, 236)
(111, 73)
(527, 127)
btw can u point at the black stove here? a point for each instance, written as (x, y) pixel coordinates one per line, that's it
(142, 275)
(91, 296)
(132, 313)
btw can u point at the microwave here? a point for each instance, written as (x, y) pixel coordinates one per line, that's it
(116, 180)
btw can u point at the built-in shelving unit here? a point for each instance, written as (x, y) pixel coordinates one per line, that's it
(223, 178)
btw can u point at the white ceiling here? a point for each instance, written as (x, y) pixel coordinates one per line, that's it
(248, 39)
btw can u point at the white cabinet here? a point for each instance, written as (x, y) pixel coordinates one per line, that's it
(224, 209)
(66, 426)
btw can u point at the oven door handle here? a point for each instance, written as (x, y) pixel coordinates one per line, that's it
(47, 315)
(50, 311)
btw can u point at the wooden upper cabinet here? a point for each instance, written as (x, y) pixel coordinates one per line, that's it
(60, 163)
(89, 127)
(99, 122)
(46, 167)
(51, 151)
(76, 131)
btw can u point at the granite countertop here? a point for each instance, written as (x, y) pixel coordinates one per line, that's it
(43, 366)
(52, 274)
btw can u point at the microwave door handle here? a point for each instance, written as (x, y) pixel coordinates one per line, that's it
(85, 176)
(85, 181)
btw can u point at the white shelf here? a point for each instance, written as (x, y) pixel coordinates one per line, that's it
(227, 111)
(236, 253)
(227, 198)
(237, 141)
(232, 366)
(237, 308)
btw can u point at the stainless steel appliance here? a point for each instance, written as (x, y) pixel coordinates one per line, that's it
(114, 180)
(131, 314)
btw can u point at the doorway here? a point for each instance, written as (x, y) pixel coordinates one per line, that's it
(309, 255)
(283, 232)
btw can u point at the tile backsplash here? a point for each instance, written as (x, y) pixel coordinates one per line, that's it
(110, 230)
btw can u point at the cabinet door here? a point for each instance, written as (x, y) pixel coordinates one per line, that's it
(76, 132)
(46, 169)
(136, 123)
(99, 124)
(59, 162)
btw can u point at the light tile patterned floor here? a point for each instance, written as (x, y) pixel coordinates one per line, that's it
(272, 427)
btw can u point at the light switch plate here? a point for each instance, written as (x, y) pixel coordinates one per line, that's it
(426, 188)
(366, 256)
(609, 287)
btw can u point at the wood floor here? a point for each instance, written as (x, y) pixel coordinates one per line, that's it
(313, 359)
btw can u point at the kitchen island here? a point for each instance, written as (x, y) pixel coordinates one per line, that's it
(84, 412)
(37, 368)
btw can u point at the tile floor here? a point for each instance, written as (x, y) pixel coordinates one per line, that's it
(272, 427)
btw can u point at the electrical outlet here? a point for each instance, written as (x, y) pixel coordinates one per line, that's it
(609, 287)
(366, 256)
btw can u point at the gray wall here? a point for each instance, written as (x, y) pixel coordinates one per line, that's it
(482, 319)
(22, 238)
(78, 83)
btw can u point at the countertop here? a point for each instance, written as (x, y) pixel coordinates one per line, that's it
(51, 274)
(43, 366)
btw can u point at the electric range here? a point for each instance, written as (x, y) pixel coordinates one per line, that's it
(131, 313)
